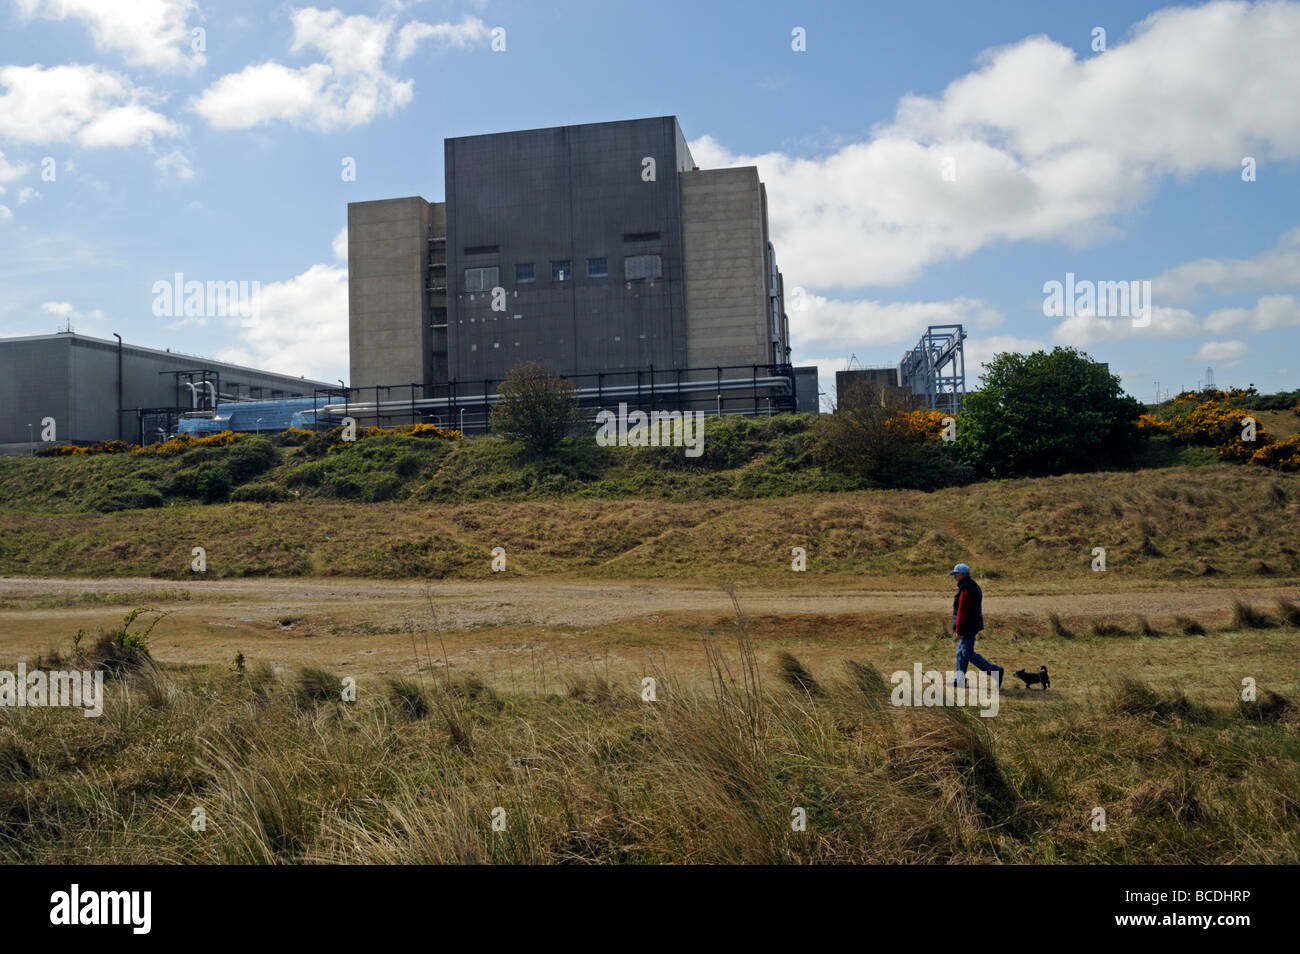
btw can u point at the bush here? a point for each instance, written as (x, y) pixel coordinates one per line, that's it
(1281, 401)
(1046, 413)
(1280, 455)
(887, 443)
(251, 457)
(292, 437)
(381, 487)
(123, 649)
(536, 407)
(213, 484)
(125, 494)
(259, 493)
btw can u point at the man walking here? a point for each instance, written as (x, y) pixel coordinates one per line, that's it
(967, 622)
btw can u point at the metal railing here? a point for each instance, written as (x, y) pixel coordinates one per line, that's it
(748, 390)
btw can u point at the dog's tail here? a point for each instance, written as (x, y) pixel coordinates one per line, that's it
(1042, 671)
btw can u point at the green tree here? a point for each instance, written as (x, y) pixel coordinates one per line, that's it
(536, 407)
(1046, 413)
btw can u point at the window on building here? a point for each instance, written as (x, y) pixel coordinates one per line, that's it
(643, 266)
(562, 271)
(525, 274)
(482, 279)
(597, 267)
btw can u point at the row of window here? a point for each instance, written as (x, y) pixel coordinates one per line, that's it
(485, 278)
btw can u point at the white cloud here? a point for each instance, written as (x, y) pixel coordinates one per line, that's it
(1279, 266)
(1228, 353)
(820, 324)
(146, 32)
(27, 194)
(1268, 312)
(5, 213)
(340, 245)
(409, 37)
(302, 326)
(1046, 145)
(269, 92)
(175, 163)
(350, 88)
(65, 309)
(351, 44)
(1083, 330)
(466, 33)
(11, 171)
(87, 105)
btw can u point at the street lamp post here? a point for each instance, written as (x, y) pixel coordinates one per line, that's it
(31, 449)
(259, 425)
(462, 420)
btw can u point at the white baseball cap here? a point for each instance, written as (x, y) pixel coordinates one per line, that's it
(959, 568)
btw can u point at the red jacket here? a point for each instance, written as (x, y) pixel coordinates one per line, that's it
(968, 609)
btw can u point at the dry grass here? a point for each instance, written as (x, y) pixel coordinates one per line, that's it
(1155, 525)
(419, 767)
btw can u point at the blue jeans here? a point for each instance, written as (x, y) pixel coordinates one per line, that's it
(966, 655)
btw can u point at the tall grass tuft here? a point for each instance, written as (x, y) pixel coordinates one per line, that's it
(408, 698)
(1245, 616)
(1288, 612)
(1104, 629)
(1059, 628)
(315, 686)
(1268, 706)
(797, 675)
(1133, 697)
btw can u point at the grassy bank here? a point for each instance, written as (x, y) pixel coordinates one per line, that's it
(1220, 521)
(741, 460)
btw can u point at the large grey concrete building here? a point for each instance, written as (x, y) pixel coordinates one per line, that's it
(601, 250)
(96, 390)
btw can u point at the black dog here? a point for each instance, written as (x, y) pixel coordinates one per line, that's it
(1034, 678)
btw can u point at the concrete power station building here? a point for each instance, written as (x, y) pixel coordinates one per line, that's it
(77, 389)
(600, 250)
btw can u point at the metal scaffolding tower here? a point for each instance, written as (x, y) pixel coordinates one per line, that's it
(936, 368)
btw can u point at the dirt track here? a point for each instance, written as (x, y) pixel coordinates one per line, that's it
(514, 601)
(369, 624)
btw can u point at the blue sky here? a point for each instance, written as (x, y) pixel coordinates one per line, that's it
(925, 162)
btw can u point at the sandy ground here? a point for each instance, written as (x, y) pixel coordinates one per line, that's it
(528, 627)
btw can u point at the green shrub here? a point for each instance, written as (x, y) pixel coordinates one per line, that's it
(381, 487)
(259, 493)
(213, 484)
(1046, 413)
(535, 407)
(125, 494)
(250, 457)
